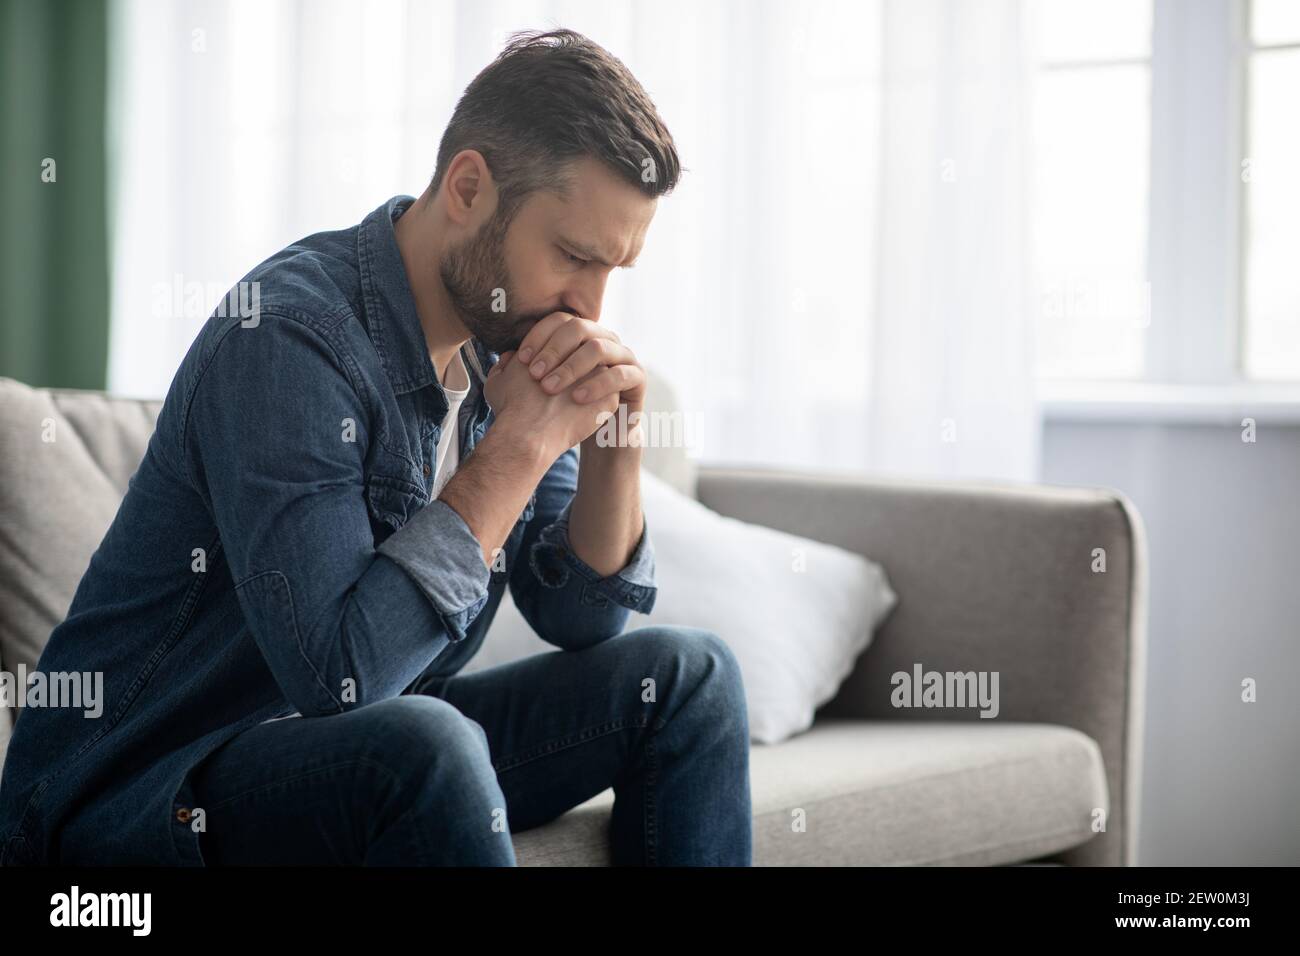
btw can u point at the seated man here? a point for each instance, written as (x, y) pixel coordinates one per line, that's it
(340, 487)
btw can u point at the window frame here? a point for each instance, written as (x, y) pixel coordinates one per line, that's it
(1194, 357)
(1246, 49)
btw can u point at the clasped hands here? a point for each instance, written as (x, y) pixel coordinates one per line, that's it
(568, 375)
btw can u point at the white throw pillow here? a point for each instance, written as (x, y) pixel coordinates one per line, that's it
(795, 612)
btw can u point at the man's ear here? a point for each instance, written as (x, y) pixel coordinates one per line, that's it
(469, 181)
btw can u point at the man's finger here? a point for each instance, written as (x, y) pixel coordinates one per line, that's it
(540, 333)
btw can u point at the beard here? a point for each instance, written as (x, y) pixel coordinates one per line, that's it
(472, 274)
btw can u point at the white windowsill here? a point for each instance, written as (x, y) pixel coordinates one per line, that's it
(1170, 404)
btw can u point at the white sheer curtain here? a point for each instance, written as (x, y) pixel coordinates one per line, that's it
(953, 351)
(837, 283)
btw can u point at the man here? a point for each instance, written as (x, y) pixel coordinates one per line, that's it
(316, 541)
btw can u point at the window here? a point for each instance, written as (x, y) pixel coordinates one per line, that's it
(1271, 193)
(1166, 208)
(1091, 155)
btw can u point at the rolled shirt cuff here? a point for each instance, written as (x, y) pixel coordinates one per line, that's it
(632, 586)
(444, 558)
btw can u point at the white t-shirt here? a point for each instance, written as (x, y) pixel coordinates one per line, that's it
(457, 388)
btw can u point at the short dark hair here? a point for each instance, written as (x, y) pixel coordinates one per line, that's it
(548, 99)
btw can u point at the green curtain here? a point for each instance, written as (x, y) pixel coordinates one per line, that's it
(54, 292)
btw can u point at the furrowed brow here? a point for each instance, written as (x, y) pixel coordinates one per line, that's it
(587, 252)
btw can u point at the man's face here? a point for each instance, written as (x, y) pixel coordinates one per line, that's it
(554, 257)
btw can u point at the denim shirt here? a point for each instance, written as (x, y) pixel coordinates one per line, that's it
(277, 554)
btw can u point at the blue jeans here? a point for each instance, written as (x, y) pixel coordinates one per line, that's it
(443, 774)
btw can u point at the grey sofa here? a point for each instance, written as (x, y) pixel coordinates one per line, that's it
(990, 577)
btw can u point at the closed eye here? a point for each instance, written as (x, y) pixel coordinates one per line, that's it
(576, 260)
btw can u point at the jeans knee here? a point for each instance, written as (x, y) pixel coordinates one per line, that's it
(705, 659)
(440, 797)
(415, 731)
(723, 673)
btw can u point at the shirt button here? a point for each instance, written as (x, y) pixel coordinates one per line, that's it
(427, 470)
(183, 814)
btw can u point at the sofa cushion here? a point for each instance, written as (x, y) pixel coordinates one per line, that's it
(891, 793)
(65, 459)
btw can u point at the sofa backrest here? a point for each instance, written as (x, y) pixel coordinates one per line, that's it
(66, 457)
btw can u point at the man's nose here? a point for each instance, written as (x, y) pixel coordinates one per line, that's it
(586, 297)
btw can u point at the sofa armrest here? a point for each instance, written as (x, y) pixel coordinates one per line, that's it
(991, 576)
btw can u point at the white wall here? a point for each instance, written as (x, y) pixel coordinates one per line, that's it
(1221, 781)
